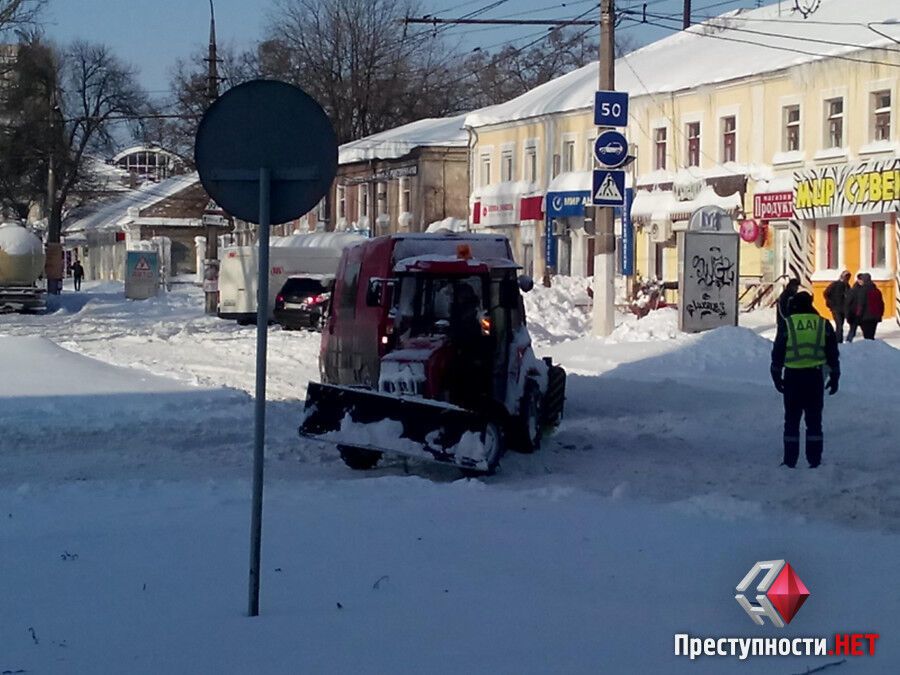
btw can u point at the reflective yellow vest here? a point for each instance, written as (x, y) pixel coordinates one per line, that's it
(806, 341)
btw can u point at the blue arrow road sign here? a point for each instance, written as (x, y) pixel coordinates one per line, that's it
(609, 187)
(611, 148)
(611, 109)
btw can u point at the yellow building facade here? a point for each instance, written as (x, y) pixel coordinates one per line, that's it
(804, 151)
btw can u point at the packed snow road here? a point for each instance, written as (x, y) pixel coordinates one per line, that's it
(125, 434)
(651, 413)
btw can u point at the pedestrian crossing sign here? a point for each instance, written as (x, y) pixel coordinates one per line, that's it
(609, 187)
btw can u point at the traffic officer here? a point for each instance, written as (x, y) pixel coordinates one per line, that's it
(803, 346)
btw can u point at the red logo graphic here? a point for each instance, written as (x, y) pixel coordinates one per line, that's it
(780, 594)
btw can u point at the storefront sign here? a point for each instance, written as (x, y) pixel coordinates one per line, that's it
(382, 175)
(627, 249)
(567, 204)
(499, 211)
(848, 190)
(773, 206)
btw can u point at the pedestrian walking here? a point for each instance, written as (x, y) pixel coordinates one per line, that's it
(837, 297)
(801, 351)
(871, 310)
(855, 300)
(77, 274)
(782, 307)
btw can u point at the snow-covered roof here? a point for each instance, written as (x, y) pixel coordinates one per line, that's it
(740, 43)
(114, 213)
(661, 205)
(394, 143)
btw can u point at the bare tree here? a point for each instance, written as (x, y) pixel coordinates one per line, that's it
(175, 131)
(512, 71)
(20, 14)
(98, 94)
(360, 62)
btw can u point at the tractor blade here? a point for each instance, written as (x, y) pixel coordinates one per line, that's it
(415, 427)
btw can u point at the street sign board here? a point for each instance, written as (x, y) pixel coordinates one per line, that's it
(609, 187)
(141, 275)
(611, 109)
(711, 219)
(272, 125)
(627, 248)
(611, 148)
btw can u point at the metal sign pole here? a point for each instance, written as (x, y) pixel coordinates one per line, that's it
(262, 334)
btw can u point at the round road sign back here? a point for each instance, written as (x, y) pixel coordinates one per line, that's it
(264, 124)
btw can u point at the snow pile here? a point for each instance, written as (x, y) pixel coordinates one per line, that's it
(661, 324)
(561, 312)
(450, 223)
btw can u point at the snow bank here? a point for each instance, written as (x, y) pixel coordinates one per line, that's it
(561, 312)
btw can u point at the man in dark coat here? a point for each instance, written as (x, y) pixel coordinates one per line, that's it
(871, 307)
(837, 296)
(783, 306)
(856, 300)
(802, 349)
(77, 274)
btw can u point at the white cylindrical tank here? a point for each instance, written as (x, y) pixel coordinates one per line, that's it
(21, 256)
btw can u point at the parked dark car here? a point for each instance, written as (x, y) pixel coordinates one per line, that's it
(303, 302)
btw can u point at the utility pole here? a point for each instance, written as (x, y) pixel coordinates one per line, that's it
(212, 232)
(604, 312)
(686, 22)
(53, 269)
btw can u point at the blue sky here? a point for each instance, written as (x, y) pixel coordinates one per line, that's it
(152, 34)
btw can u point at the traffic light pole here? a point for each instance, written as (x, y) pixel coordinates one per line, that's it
(604, 314)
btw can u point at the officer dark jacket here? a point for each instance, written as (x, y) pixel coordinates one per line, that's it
(806, 341)
(837, 296)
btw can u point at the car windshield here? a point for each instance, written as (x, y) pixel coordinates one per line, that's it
(305, 287)
(425, 301)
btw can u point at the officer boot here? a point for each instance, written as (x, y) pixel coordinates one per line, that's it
(814, 446)
(791, 450)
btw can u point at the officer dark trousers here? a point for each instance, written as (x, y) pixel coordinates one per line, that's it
(804, 397)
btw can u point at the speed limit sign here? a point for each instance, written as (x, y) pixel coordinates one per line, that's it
(611, 109)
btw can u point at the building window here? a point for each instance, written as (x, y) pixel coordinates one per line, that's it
(557, 160)
(485, 170)
(878, 256)
(832, 247)
(834, 123)
(506, 165)
(321, 212)
(341, 202)
(363, 201)
(881, 116)
(568, 156)
(530, 167)
(729, 138)
(659, 140)
(791, 141)
(405, 195)
(693, 143)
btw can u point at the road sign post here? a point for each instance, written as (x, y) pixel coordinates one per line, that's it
(266, 153)
(611, 149)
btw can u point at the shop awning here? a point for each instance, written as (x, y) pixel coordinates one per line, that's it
(661, 205)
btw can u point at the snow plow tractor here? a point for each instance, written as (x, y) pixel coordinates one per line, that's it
(426, 353)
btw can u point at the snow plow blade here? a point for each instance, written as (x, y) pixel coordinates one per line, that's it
(415, 427)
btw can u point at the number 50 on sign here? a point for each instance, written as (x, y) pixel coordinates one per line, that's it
(611, 109)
